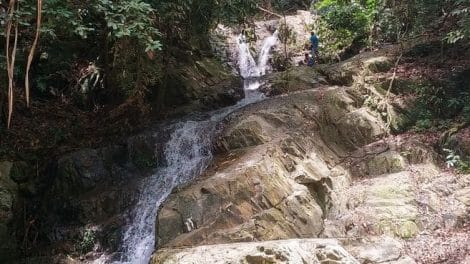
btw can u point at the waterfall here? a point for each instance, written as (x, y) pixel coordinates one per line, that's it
(265, 51)
(248, 67)
(187, 154)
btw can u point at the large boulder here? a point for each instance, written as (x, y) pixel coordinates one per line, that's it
(308, 251)
(91, 190)
(274, 176)
(388, 205)
(257, 201)
(197, 86)
(294, 79)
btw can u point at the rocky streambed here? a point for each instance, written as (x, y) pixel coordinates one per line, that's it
(310, 175)
(318, 164)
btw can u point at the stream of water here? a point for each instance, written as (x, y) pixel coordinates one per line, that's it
(188, 153)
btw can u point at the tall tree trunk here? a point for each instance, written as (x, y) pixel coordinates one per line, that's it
(11, 55)
(106, 61)
(33, 48)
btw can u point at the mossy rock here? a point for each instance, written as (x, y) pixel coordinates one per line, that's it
(407, 229)
(212, 68)
(295, 79)
(340, 73)
(8, 200)
(402, 229)
(379, 64)
(21, 172)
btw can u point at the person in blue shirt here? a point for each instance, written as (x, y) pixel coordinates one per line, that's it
(314, 45)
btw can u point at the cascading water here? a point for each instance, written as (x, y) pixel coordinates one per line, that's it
(248, 67)
(188, 153)
(265, 51)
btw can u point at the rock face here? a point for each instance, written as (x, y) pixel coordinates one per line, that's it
(275, 186)
(317, 163)
(200, 85)
(91, 190)
(308, 251)
(8, 201)
(310, 163)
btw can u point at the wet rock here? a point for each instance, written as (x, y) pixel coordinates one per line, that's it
(199, 86)
(80, 172)
(308, 251)
(145, 150)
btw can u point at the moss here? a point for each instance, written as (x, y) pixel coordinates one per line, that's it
(144, 160)
(20, 172)
(212, 68)
(379, 64)
(87, 241)
(403, 229)
(407, 229)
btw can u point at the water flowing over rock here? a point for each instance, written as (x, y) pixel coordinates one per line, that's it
(187, 154)
(224, 40)
(311, 175)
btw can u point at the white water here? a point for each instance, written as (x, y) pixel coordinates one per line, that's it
(188, 153)
(248, 67)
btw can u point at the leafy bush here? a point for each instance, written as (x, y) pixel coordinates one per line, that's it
(438, 102)
(77, 34)
(341, 26)
(87, 241)
(455, 161)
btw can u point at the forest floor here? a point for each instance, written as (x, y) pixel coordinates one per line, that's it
(53, 127)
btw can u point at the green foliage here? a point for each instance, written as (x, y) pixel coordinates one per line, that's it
(461, 13)
(450, 17)
(342, 25)
(436, 103)
(287, 35)
(455, 161)
(345, 23)
(76, 34)
(237, 11)
(133, 71)
(130, 19)
(121, 38)
(290, 5)
(87, 241)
